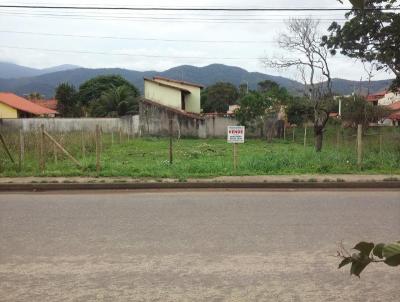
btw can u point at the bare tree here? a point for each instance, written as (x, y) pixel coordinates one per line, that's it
(309, 57)
(370, 70)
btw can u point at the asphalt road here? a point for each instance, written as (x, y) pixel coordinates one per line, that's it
(193, 246)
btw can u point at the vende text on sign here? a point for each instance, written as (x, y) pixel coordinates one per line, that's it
(236, 134)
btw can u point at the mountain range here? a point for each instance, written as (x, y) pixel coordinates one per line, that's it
(24, 80)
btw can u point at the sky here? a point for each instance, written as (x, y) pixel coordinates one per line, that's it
(159, 40)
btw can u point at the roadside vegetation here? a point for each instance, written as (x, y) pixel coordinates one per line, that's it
(149, 157)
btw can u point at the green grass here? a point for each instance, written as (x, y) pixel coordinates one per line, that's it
(148, 157)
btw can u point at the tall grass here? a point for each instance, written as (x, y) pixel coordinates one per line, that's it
(148, 157)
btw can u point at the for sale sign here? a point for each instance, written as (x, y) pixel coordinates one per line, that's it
(236, 134)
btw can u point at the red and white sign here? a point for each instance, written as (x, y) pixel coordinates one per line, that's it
(236, 134)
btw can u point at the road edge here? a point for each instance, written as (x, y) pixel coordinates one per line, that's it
(29, 187)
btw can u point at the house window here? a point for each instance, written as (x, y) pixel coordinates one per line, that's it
(183, 104)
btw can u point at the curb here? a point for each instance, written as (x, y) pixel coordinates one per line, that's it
(28, 187)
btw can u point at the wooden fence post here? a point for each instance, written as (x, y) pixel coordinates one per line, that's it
(97, 148)
(284, 132)
(55, 153)
(120, 135)
(234, 158)
(83, 144)
(101, 140)
(170, 143)
(21, 149)
(294, 133)
(112, 138)
(337, 138)
(305, 136)
(59, 146)
(359, 145)
(41, 151)
(380, 141)
(6, 148)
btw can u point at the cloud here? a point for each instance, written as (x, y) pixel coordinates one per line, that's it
(139, 25)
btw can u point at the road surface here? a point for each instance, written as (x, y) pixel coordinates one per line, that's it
(193, 246)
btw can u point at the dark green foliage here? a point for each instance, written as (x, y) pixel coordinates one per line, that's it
(267, 85)
(117, 101)
(91, 90)
(68, 100)
(218, 97)
(367, 253)
(355, 111)
(299, 111)
(370, 34)
(101, 96)
(253, 107)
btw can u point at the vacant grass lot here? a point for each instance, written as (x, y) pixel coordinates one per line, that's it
(149, 157)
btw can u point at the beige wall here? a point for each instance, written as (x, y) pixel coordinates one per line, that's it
(192, 100)
(166, 96)
(7, 111)
(389, 99)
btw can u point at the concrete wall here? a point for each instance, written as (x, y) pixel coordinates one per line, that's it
(129, 124)
(164, 95)
(7, 111)
(154, 121)
(192, 100)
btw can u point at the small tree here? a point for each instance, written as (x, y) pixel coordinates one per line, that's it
(310, 58)
(267, 85)
(117, 101)
(218, 97)
(67, 100)
(253, 107)
(355, 111)
(35, 96)
(91, 91)
(299, 111)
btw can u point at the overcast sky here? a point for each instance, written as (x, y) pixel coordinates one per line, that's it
(261, 29)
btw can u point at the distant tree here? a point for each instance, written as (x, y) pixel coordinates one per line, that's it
(67, 100)
(117, 101)
(243, 90)
(218, 97)
(91, 91)
(370, 34)
(253, 107)
(355, 111)
(299, 111)
(35, 96)
(267, 85)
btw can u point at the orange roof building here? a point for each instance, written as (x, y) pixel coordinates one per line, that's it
(14, 106)
(49, 104)
(395, 116)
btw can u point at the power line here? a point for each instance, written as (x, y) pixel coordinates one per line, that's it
(130, 55)
(124, 54)
(160, 19)
(133, 38)
(186, 8)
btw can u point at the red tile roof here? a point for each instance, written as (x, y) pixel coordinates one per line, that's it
(24, 105)
(178, 82)
(376, 96)
(50, 104)
(395, 106)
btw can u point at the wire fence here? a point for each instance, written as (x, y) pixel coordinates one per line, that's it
(119, 154)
